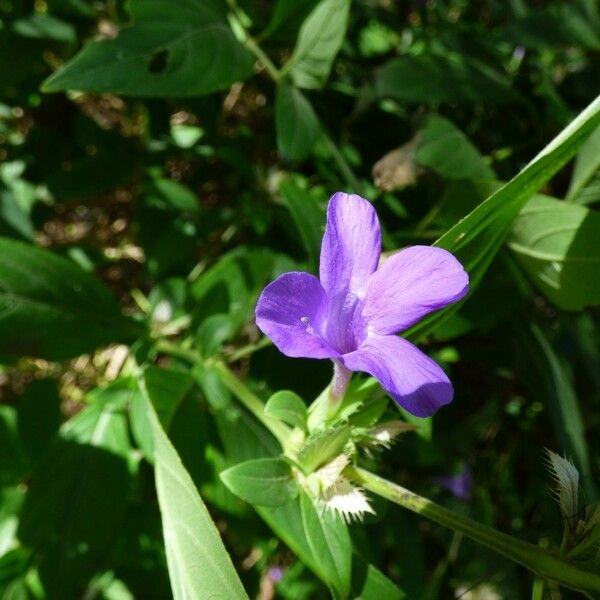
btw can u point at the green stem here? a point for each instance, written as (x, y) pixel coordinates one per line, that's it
(278, 74)
(253, 403)
(542, 562)
(251, 43)
(191, 356)
(249, 349)
(237, 388)
(343, 165)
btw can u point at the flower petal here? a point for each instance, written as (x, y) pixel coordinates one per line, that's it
(411, 284)
(351, 246)
(410, 377)
(290, 311)
(349, 256)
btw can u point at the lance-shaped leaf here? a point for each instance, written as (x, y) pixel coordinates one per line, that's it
(199, 565)
(189, 51)
(476, 239)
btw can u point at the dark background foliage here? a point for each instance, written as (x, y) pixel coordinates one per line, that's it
(165, 182)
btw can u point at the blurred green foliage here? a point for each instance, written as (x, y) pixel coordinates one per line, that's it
(162, 161)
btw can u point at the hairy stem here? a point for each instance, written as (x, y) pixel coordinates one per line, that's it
(542, 562)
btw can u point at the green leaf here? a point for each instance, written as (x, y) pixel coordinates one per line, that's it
(287, 407)
(556, 387)
(287, 14)
(308, 216)
(244, 439)
(329, 541)
(557, 244)
(448, 151)
(175, 194)
(476, 239)
(45, 27)
(296, 123)
(50, 308)
(319, 40)
(39, 416)
(190, 51)
(12, 455)
(68, 517)
(369, 583)
(586, 166)
(264, 481)
(199, 565)
(433, 78)
(14, 220)
(322, 447)
(166, 389)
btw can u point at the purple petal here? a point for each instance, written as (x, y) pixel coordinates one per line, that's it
(410, 377)
(349, 256)
(351, 245)
(460, 486)
(290, 311)
(411, 284)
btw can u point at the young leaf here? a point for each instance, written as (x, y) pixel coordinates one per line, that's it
(287, 407)
(447, 150)
(190, 51)
(50, 308)
(557, 244)
(319, 40)
(264, 481)
(566, 477)
(199, 566)
(322, 447)
(329, 541)
(296, 123)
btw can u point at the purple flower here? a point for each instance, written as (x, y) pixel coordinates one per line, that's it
(350, 314)
(460, 486)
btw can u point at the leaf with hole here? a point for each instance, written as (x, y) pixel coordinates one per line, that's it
(187, 52)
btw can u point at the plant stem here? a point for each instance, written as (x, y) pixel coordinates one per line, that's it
(278, 74)
(237, 388)
(249, 349)
(191, 356)
(343, 165)
(543, 562)
(252, 403)
(339, 383)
